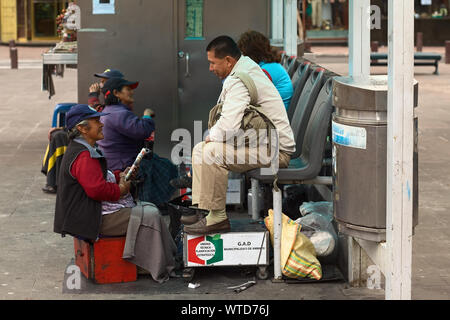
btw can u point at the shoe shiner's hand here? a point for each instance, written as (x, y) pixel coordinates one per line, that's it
(124, 185)
(133, 173)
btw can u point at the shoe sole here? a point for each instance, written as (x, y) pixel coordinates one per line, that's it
(206, 233)
(48, 191)
(198, 233)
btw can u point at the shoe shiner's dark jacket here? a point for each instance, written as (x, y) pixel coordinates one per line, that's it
(76, 213)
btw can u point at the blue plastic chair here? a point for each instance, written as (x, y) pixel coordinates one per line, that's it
(61, 109)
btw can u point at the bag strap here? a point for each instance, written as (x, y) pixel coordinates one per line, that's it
(251, 87)
(250, 84)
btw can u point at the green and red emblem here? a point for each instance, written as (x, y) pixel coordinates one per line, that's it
(205, 250)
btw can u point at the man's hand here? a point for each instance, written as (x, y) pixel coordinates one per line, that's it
(95, 87)
(207, 139)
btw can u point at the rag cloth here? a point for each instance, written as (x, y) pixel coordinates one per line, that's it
(47, 80)
(148, 243)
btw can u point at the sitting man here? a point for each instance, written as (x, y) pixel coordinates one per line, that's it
(210, 163)
(90, 204)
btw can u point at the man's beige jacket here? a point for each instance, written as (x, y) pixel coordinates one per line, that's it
(235, 98)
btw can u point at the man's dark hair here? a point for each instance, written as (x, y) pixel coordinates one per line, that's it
(224, 46)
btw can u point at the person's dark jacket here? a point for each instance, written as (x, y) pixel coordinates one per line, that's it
(75, 213)
(124, 135)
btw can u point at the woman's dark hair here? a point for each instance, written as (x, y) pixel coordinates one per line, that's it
(224, 46)
(111, 99)
(255, 45)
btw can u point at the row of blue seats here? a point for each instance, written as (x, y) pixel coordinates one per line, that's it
(309, 113)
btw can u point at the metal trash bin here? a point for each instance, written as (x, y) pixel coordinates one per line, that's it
(359, 128)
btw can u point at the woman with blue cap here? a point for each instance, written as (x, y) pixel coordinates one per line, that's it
(124, 131)
(125, 134)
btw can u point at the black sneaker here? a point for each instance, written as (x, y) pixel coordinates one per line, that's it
(181, 182)
(49, 189)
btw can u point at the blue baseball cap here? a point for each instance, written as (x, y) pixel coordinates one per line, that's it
(117, 84)
(110, 73)
(81, 112)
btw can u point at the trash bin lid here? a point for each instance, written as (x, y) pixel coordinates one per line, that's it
(364, 94)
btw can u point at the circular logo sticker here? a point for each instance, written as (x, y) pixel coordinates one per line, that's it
(205, 250)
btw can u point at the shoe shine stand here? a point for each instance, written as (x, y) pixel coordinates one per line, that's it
(247, 244)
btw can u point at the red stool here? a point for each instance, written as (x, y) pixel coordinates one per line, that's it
(102, 261)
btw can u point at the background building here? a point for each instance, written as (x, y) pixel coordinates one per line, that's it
(432, 19)
(162, 44)
(30, 21)
(326, 21)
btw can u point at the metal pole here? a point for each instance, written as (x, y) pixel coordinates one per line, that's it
(400, 113)
(277, 233)
(290, 27)
(13, 54)
(374, 46)
(359, 38)
(447, 51)
(419, 41)
(277, 20)
(255, 198)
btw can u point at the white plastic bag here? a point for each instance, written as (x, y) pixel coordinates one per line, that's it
(317, 225)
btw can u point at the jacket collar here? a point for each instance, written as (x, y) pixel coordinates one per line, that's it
(238, 64)
(118, 106)
(240, 61)
(93, 151)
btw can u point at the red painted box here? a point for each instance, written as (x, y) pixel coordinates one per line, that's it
(102, 261)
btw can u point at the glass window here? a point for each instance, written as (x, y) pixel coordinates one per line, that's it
(44, 17)
(194, 19)
(21, 20)
(431, 8)
(324, 19)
